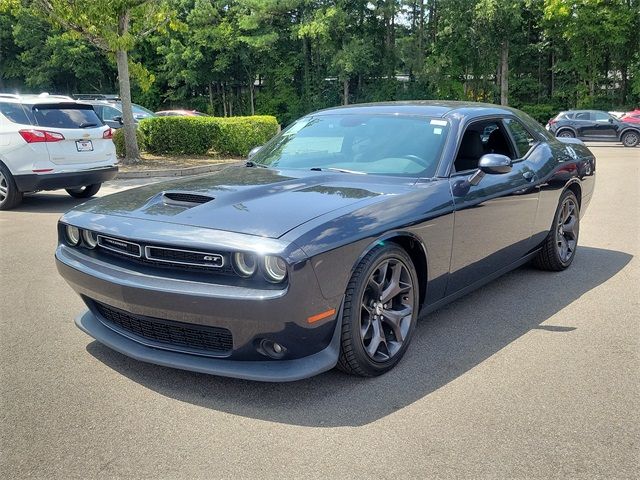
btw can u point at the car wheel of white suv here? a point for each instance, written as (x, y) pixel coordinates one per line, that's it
(84, 192)
(10, 197)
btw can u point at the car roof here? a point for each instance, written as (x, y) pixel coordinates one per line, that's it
(431, 108)
(35, 98)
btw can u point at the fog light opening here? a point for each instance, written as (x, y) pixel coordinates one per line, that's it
(272, 349)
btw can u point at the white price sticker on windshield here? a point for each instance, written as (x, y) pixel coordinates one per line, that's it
(441, 123)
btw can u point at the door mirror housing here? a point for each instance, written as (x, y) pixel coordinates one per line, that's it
(119, 120)
(494, 163)
(253, 151)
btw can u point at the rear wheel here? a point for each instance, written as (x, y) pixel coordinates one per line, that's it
(10, 197)
(84, 192)
(630, 139)
(566, 134)
(559, 248)
(380, 312)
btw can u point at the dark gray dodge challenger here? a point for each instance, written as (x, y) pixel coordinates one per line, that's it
(323, 248)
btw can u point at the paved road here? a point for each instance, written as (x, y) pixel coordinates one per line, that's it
(535, 375)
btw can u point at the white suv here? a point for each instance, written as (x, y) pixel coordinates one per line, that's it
(48, 142)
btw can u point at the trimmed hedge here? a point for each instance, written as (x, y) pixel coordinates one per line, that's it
(198, 135)
(542, 112)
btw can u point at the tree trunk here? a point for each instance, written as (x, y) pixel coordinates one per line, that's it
(345, 91)
(224, 100)
(251, 95)
(504, 74)
(132, 153)
(211, 97)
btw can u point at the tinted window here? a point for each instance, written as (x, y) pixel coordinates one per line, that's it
(15, 113)
(66, 116)
(382, 144)
(601, 117)
(524, 140)
(582, 116)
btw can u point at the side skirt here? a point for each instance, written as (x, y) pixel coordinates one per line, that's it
(474, 286)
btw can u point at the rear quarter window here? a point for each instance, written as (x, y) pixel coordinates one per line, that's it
(16, 113)
(66, 116)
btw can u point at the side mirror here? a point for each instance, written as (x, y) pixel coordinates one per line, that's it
(610, 120)
(494, 163)
(253, 151)
(119, 120)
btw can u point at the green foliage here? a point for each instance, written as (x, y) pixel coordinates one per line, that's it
(289, 57)
(199, 135)
(542, 112)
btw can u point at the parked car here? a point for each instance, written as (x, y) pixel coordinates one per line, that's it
(180, 113)
(594, 126)
(631, 117)
(110, 112)
(323, 248)
(50, 142)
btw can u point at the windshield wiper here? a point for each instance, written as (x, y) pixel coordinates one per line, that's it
(249, 163)
(87, 125)
(341, 170)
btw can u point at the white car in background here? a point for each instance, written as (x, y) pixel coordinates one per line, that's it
(50, 142)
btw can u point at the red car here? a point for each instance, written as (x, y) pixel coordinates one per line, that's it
(181, 113)
(631, 117)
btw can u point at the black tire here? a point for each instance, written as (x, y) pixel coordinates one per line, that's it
(566, 134)
(84, 192)
(551, 256)
(354, 358)
(10, 197)
(630, 139)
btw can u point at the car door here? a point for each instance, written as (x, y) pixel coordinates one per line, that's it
(604, 127)
(583, 123)
(111, 116)
(493, 219)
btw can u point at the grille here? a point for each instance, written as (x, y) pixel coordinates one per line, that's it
(168, 334)
(120, 246)
(187, 197)
(188, 257)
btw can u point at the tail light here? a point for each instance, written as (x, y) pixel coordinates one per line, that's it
(40, 136)
(108, 134)
(552, 121)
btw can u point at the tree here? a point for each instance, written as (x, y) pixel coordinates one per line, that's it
(113, 26)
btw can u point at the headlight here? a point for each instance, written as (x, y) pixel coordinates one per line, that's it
(245, 264)
(90, 238)
(73, 235)
(275, 269)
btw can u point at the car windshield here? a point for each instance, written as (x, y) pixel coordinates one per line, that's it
(356, 143)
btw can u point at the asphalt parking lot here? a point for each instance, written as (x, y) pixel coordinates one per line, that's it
(535, 375)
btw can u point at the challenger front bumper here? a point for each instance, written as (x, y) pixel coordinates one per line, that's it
(251, 315)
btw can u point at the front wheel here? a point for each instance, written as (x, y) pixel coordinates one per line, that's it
(380, 311)
(84, 192)
(559, 248)
(630, 139)
(566, 134)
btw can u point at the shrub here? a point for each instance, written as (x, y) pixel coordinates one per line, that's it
(118, 140)
(238, 135)
(198, 135)
(542, 112)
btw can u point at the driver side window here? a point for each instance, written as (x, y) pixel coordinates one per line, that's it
(110, 113)
(480, 138)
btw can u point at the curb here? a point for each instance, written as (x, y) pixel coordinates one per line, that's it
(177, 172)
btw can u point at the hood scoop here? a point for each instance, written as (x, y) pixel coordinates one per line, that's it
(185, 199)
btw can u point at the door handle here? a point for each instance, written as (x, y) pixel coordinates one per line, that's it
(528, 175)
